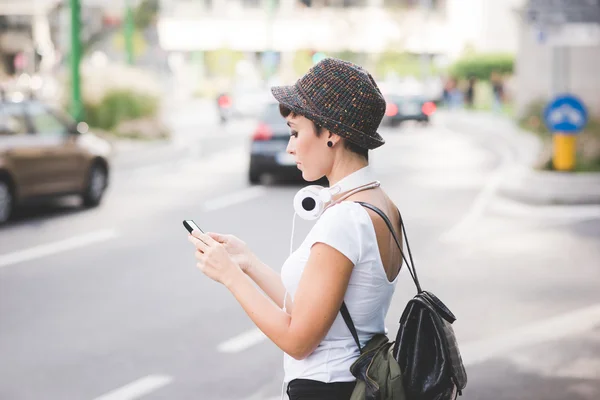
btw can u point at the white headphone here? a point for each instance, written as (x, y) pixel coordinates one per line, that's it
(311, 201)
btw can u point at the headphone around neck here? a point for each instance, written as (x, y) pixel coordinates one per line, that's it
(311, 201)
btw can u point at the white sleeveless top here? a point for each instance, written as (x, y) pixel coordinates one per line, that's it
(348, 228)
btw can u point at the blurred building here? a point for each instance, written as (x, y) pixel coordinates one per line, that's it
(35, 38)
(559, 52)
(26, 28)
(444, 28)
(35, 34)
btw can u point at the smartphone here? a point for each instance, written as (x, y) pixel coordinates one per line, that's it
(191, 225)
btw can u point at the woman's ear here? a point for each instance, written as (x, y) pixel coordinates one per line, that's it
(332, 137)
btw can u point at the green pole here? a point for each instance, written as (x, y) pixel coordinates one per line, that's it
(129, 31)
(76, 103)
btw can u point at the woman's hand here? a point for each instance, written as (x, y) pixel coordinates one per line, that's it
(237, 249)
(213, 259)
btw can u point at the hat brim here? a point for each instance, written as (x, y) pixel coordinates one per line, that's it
(292, 98)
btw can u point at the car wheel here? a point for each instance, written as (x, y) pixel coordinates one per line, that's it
(6, 201)
(96, 185)
(254, 177)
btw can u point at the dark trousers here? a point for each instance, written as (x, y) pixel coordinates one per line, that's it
(307, 389)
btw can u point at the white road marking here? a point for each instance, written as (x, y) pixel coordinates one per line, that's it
(224, 160)
(575, 322)
(550, 212)
(44, 250)
(242, 341)
(137, 389)
(487, 194)
(234, 198)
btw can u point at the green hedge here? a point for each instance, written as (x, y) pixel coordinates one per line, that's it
(482, 66)
(118, 106)
(401, 64)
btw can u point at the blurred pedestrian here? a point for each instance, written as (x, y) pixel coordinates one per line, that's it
(470, 92)
(497, 92)
(449, 84)
(453, 94)
(349, 257)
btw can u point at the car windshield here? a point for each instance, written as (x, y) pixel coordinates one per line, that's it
(405, 99)
(271, 114)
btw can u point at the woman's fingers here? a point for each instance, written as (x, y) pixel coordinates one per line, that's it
(218, 237)
(207, 239)
(199, 243)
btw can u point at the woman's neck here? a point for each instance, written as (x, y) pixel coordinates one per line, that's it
(343, 169)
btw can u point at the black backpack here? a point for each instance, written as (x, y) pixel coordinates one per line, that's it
(425, 346)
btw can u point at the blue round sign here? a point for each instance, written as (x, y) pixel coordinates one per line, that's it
(565, 114)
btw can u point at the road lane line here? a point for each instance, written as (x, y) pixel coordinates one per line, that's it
(561, 326)
(242, 341)
(550, 212)
(44, 250)
(137, 389)
(234, 198)
(483, 199)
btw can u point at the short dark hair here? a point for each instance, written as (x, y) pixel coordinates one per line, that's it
(361, 151)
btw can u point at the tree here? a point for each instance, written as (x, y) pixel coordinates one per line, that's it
(145, 14)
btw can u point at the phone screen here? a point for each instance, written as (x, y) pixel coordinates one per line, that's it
(191, 226)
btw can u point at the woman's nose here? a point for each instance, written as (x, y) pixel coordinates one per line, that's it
(290, 147)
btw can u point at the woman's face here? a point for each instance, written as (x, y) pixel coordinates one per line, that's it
(313, 157)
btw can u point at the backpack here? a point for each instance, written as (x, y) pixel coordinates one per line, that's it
(424, 362)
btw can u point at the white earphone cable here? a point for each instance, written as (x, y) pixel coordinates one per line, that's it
(292, 237)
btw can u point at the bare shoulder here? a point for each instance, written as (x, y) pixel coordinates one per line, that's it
(379, 199)
(390, 254)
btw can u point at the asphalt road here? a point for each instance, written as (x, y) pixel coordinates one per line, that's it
(107, 303)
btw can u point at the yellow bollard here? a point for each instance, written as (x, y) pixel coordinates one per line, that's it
(564, 152)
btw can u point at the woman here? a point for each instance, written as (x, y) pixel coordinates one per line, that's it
(349, 255)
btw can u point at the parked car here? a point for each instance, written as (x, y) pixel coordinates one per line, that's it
(268, 147)
(249, 101)
(43, 153)
(402, 108)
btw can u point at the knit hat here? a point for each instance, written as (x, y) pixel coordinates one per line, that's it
(341, 97)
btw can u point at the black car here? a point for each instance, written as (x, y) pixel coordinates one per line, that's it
(268, 147)
(402, 108)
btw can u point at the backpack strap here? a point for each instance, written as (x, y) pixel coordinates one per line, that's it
(413, 273)
(350, 324)
(411, 265)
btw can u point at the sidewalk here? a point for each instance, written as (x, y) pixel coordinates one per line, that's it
(521, 151)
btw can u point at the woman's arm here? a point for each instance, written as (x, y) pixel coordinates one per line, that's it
(269, 281)
(316, 302)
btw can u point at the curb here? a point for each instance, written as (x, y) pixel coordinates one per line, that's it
(551, 188)
(522, 182)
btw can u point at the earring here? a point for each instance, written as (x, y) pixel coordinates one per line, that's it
(330, 144)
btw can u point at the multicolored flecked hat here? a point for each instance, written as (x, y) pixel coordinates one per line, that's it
(341, 97)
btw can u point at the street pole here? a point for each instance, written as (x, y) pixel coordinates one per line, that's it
(129, 30)
(76, 103)
(269, 44)
(426, 8)
(564, 145)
